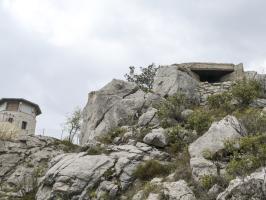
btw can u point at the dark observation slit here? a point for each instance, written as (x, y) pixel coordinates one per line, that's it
(211, 76)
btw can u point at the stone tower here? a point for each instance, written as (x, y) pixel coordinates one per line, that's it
(20, 112)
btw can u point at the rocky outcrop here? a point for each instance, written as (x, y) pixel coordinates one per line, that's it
(82, 176)
(23, 161)
(251, 187)
(118, 103)
(170, 80)
(212, 141)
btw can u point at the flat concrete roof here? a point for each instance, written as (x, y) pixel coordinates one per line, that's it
(210, 66)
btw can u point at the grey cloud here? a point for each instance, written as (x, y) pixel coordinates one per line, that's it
(164, 32)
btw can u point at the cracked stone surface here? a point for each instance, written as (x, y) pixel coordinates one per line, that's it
(172, 79)
(250, 187)
(227, 129)
(116, 104)
(79, 175)
(23, 161)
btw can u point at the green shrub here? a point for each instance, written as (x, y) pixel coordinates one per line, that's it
(151, 188)
(221, 101)
(179, 138)
(182, 166)
(169, 111)
(145, 79)
(96, 150)
(252, 119)
(67, 146)
(208, 181)
(151, 169)
(199, 120)
(247, 156)
(245, 91)
(109, 137)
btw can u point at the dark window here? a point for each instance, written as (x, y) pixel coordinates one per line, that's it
(24, 125)
(10, 119)
(12, 106)
(211, 76)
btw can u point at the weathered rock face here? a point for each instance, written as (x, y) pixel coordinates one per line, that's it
(156, 138)
(148, 118)
(251, 187)
(118, 103)
(23, 161)
(81, 176)
(212, 141)
(178, 190)
(170, 80)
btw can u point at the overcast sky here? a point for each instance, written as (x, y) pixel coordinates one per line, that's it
(53, 52)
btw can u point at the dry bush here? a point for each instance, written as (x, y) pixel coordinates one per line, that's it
(8, 131)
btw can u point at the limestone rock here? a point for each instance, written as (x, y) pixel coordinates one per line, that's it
(215, 190)
(178, 191)
(170, 80)
(79, 175)
(116, 104)
(148, 117)
(153, 196)
(23, 161)
(156, 138)
(258, 103)
(251, 187)
(212, 141)
(139, 195)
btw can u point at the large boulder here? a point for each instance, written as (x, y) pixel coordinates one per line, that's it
(23, 161)
(173, 79)
(116, 104)
(251, 187)
(228, 129)
(157, 137)
(82, 176)
(148, 118)
(178, 191)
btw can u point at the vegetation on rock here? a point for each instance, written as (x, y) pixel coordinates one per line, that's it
(245, 91)
(151, 169)
(145, 79)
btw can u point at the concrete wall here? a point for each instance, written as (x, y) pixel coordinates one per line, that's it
(26, 113)
(206, 89)
(18, 118)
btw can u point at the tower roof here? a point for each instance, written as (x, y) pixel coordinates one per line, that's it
(36, 106)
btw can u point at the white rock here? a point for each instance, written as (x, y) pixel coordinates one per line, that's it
(157, 138)
(153, 196)
(178, 191)
(212, 141)
(112, 106)
(169, 80)
(147, 117)
(251, 187)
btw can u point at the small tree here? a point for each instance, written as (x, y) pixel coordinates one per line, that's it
(145, 79)
(73, 124)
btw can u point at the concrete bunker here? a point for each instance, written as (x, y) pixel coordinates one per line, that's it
(216, 72)
(211, 76)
